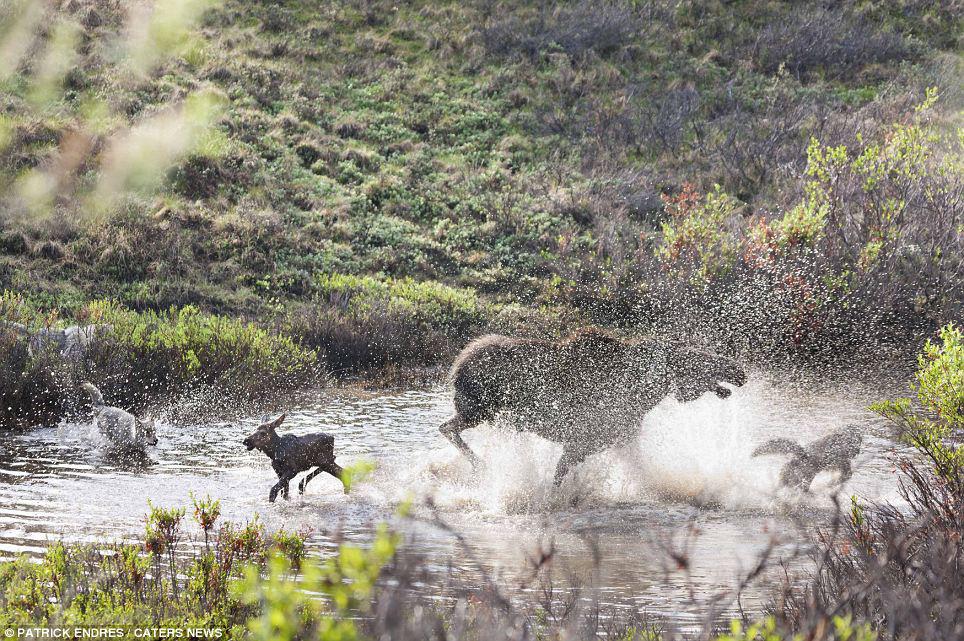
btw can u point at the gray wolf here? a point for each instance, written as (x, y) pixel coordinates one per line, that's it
(120, 427)
(835, 451)
(18, 329)
(587, 392)
(72, 342)
(291, 455)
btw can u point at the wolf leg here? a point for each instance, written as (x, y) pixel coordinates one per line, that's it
(846, 471)
(798, 473)
(452, 430)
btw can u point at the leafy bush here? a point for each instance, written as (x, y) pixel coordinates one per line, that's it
(286, 611)
(247, 582)
(149, 359)
(813, 39)
(362, 322)
(869, 255)
(887, 216)
(695, 236)
(193, 348)
(933, 428)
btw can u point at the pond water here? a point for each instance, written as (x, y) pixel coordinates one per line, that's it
(688, 483)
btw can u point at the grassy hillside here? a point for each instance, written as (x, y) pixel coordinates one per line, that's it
(429, 169)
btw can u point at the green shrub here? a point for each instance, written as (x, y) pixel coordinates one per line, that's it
(843, 629)
(362, 323)
(287, 611)
(247, 583)
(204, 348)
(149, 359)
(429, 302)
(939, 418)
(695, 238)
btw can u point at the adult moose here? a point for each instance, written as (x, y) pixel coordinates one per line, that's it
(587, 392)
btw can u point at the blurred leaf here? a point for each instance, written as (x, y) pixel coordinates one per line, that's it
(58, 59)
(18, 22)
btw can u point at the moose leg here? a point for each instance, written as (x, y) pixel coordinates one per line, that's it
(304, 482)
(282, 484)
(332, 468)
(570, 456)
(846, 471)
(336, 470)
(452, 430)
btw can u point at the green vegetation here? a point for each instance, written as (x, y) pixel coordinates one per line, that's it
(361, 322)
(147, 360)
(245, 581)
(938, 419)
(718, 169)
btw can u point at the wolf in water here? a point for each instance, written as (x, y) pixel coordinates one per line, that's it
(835, 451)
(291, 455)
(119, 426)
(587, 392)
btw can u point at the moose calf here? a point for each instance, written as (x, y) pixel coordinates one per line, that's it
(290, 455)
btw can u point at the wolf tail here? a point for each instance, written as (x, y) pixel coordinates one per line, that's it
(95, 394)
(780, 446)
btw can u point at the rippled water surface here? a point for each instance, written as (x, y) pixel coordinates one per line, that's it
(688, 483)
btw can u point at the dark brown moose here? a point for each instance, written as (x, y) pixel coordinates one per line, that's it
(587, 392)
(291, 455)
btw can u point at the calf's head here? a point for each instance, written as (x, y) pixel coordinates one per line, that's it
(695, 372)
(263, 437)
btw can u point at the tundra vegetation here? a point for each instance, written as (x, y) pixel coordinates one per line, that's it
(255, 196)
(879, 572)
(380, 182)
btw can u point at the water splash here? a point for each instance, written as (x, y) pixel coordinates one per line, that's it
(696, 453)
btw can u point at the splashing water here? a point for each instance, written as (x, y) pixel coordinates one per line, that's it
(689, 465)
(696, 453)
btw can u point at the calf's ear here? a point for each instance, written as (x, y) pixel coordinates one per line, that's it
(278, 421)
